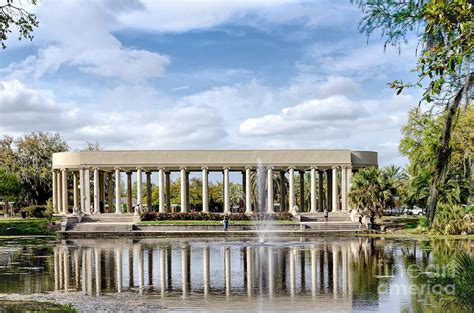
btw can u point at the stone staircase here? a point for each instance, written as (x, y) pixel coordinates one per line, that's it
(104, 223)
(337, 222)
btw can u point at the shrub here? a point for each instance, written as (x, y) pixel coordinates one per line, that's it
(451, 220)
(37, 211)
(155, 216)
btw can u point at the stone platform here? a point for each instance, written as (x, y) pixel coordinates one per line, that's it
(112, 225)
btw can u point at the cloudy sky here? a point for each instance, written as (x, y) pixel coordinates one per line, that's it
(205, 74)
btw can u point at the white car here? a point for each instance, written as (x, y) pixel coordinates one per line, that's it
(415, 211)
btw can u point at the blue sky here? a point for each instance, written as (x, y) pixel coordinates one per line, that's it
(206, 74)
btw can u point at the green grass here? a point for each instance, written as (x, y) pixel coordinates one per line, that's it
(207, 222)
(34, 306)
(26, 227)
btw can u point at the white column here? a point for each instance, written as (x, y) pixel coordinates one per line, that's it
(161, 187)
(248, 198)
(335, 204)
(291, 183)
(205, 191)
(226, 191)
(96, 192)
(87, 190)
(139, 190)
(118, 206)
(82, 193)
(64, 196)
(344, 190)
(75, 195)
(270, 202)
(349, 183)
(184, 203)
(313, 190)
(55, 192)
(59, 192)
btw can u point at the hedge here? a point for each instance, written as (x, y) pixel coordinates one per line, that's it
(155, 216)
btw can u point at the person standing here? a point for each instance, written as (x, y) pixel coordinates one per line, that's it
(326, 213)
(226, 223)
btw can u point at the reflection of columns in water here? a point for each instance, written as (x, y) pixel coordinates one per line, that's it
(139, 251)
(227, 270)
(162, 270)
(335, 256)
(77, 267)
(349, 273)
(150, 267)
(249, 256)
(130, 268)
(60, 262)
(302, 270)
(313, 271)
(66, 268)
(184, 268)
(169, 272)
(292, 255)
(118, 269)
(89, 271)
(83, 271)
(326, 269)
(271, 278)
(98, 274)
(56, 268)
(344, 270)
(206, 270)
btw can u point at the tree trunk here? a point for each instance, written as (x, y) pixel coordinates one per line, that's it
(444, 150)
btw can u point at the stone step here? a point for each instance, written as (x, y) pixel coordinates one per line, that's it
(110, 218)
(102, 227)
(319, 217)
(332, 226)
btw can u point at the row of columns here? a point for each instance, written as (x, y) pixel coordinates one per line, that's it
(330, 269)
(82, 192)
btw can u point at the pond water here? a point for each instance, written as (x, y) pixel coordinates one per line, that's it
(307, 274)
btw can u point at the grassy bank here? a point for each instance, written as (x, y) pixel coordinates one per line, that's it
(34, 306)
(27, 227)
(171, 222)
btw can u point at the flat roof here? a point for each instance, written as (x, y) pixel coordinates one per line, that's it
(214, 159)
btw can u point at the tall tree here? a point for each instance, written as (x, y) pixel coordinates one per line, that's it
(13, 14)
(10, 187)
(33, 156)
(444, 29)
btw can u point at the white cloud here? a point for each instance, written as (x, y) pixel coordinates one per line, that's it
(24, 110)
(303, 116)
(82, 37)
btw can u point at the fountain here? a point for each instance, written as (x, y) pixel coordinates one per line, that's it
(261, 220)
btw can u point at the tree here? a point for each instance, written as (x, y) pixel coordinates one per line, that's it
(444, 29)
(14, 15)
(420, 143)
(33, 157)
(374, 189)
(10, 187)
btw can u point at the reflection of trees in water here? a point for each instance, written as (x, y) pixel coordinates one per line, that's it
(27, 269)
(420, 256)
(372, 259)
